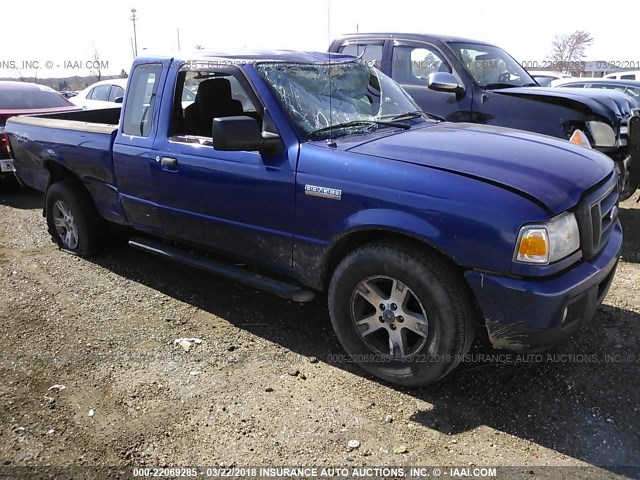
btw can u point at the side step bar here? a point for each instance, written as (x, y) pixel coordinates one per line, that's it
(277, 287)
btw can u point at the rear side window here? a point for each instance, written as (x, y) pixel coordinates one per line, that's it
(29, 98)
(142, 100)
(628, 77)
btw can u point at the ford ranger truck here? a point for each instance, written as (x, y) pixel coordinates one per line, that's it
(316, 172)
(466, 80)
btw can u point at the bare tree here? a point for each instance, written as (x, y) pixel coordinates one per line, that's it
(96, 70)
(568, 50)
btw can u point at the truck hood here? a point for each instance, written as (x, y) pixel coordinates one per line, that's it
(612, 105)
(551, 172)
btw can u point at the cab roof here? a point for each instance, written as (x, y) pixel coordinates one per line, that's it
(425, 37)
(254, 56)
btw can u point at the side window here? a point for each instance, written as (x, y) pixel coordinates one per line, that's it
(412, 65)
(116, 92)
(369, 52)
(202, 96)
(101, 92)
(628, 77)
(141, 101)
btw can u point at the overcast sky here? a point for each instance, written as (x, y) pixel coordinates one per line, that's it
(67, 31)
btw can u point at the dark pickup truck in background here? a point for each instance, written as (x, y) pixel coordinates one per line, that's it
(319, 173)
(466, 80)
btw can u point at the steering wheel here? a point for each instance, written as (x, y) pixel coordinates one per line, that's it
(504, 77)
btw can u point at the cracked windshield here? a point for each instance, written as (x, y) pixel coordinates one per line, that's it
(339, 98)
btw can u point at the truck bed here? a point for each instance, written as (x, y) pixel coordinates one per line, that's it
(80, 141)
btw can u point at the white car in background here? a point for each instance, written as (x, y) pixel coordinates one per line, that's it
(545, 77)
(109, 94)
(624, 75)
(103, 94)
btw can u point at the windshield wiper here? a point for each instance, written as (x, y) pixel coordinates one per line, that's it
(492, 86)
(356, 123)
(417, 114)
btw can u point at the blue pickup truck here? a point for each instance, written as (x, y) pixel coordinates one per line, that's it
(322, 175)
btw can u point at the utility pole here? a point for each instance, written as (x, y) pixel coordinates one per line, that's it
(178, 39)
(135, 38)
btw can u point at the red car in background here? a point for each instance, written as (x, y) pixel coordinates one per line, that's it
(21, 98)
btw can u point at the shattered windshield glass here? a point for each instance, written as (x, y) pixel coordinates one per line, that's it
(328, 99)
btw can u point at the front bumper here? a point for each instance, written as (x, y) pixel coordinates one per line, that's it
(524, 314)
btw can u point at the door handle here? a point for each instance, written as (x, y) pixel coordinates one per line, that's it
(168, 163)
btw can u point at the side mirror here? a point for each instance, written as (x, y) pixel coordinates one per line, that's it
(118, 99)
(444, 82)
(242, 133)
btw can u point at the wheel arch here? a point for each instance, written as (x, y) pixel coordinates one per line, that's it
(57, 173)
(400, 228)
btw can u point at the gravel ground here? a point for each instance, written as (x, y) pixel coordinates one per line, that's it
(263, 389)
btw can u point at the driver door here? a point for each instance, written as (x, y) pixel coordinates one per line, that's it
(237, 202)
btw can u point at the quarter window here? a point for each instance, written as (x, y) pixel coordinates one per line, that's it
(369, 52)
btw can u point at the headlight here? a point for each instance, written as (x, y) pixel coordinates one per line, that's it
(602, 134)
(548, 242)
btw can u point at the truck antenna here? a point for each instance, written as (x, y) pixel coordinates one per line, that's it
(330, 141)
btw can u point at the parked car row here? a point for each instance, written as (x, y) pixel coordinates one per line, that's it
(628, 87)
(21, 98)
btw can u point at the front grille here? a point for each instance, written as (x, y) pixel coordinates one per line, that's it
(596, 215)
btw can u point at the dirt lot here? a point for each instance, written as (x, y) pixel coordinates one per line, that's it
(252, 394)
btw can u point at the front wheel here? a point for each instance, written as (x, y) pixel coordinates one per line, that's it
(72, 220)
(403, 314)
(626, 184)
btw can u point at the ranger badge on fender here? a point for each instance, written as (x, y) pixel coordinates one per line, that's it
(323, 192)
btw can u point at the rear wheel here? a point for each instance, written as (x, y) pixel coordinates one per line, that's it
(402, 314)
(72, 220)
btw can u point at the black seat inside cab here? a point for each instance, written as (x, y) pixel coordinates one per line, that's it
(213, 100)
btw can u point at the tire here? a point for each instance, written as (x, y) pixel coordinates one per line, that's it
(397, 344)
(72, 219)
(625, 187)
(626, 192)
